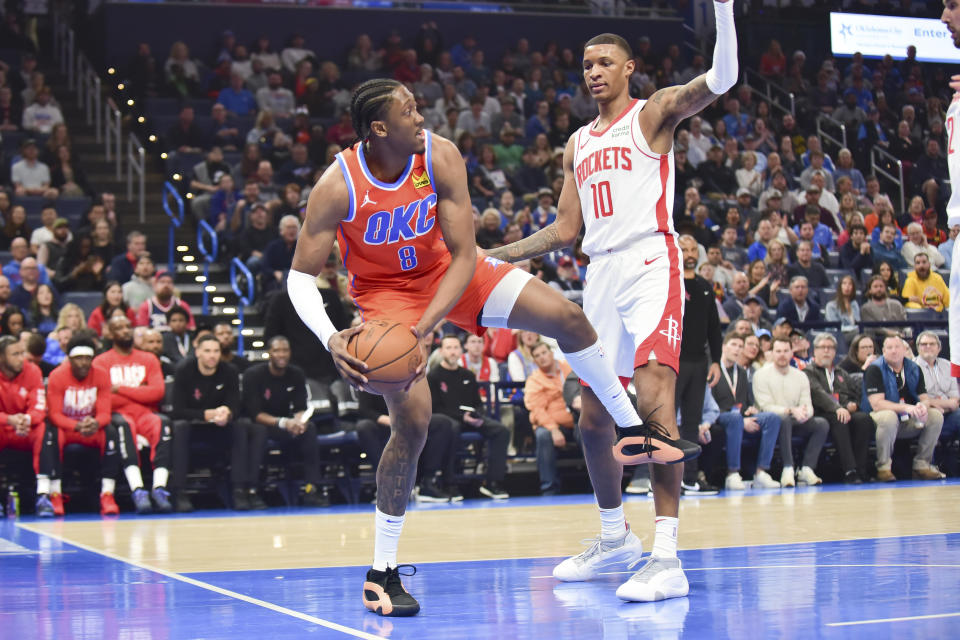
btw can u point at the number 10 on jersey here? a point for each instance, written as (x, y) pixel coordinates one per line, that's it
(602, 199)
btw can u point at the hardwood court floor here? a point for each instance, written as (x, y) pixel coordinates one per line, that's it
(518, 528)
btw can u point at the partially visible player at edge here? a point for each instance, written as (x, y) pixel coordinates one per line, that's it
(397, 203)
(951, 18)
(619, 183)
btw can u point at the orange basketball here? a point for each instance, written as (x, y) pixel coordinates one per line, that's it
(391, 352)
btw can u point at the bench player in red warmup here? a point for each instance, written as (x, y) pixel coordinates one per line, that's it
(619, 184)
(398, 205)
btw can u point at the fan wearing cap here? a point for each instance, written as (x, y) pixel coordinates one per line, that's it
(79, 399)
(545, 213)
(153, 312)
(568, 280)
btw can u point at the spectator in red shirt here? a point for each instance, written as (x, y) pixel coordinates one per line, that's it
(153, 312)
(79, 397)
(112, 302)
(23, 410)
(773, 64)
(136, 385)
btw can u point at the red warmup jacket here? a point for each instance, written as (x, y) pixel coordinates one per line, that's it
(138, 378)
(24, 394)
(71, 399)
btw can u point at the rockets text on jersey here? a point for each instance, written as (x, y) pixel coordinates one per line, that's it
(625, 188)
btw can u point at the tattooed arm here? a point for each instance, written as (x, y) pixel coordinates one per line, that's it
(562, 232)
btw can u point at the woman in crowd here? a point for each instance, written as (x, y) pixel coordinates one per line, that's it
(466, 143)
(889, 275)
(751, 356)
(14, 226)
(43, 310)
(13, 321)
(542, 152)
(776, 261)
(844, 307)
(525, 219)
(59, 136)
(762, 284)
(860, 355)
(80, 269)
(69, 179)
(520, 363)
(112, 300)
(747, 176)
(102, 241)
(488, 180)
(489, 234)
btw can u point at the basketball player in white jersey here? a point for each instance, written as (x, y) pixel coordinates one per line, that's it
(951, 18)
(619, 183)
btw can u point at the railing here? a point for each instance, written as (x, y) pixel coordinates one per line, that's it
(773, 92)
(841, 142)
(882, 168)
(89, 93)
(137, 163)
(112, 131)
(204, 231)
(176, 218)
(243, 301)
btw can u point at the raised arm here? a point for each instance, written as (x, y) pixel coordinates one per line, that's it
(327, 206)
(560, 233)
(668, 106)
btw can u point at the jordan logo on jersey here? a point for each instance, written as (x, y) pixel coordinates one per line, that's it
(405, 223)
(366, 199)
(79, 403)
(422, 180)
(127, 375)
(611, 158)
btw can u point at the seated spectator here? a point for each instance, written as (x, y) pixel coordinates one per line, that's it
(748, 178)
(805, 266)
(925, 288)
(785, 391)
(139, 288)
(776, 262)
(112, 303)
(180, 71)
(103, 245)
(275, 401)
(31, 276)
(718, 180)
(78, 396)
(275, 98)
(484, 368)
(475, 121)
(23, 404)
(884, 248)
(151, 340)
(5, 294)
(236, 98)
(36, 347)
(293, 54)
(740, 418)
(178, 339)
(263, 53)
(44, 233)
(52, 251)
(917, 244)
(817, 159)
(80, 269)
(813, 193)
(801, 349)
(43, 114)
(836, 398)
(798, 308)
(43, 310)
(254, 239)
(739, 293)
(19, 251)
(223, 332)
(895, 391)
(68, 177)
(14, 228)
(879, 307)
(12, 321)
(206, 403)
(568, 280)
(934, 234)
(186, 136)
(454, 387)
(551, 420)
(206, 180)
(153, 312)
(11, 111)
(844, 307)
(520, 361)
(298, 170)
(855, 254)
(941, 387)
(278, 255)
(137, 388)
(753, 313)
(122, 266)
(860, 355)
(890, 277)
(267, 187)
(820, 234)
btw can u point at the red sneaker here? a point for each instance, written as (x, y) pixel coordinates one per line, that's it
(56, 500)
(108, 506)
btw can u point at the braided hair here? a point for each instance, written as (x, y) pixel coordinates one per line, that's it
(368, 102)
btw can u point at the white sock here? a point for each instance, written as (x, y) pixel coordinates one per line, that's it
(55, 485)
(386, 541)
(160, 477)
(134, 479)
(107, 485)
(596, 370)
(43, 485)
(665, 539)
(613, 524)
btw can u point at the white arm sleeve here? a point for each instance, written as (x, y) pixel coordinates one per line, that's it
(308, 302)
(723, 74)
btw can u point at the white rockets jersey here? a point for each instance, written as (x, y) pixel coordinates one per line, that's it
(953, 160)
(626, 190)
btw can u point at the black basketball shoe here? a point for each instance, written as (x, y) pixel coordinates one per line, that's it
(650, 442)
(384, 594)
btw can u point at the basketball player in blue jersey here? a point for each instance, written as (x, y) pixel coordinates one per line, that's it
(951, 18)
(619, 184)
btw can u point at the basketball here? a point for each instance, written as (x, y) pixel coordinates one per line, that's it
(391, 352)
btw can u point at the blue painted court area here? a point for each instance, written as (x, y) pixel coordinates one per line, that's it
(51, 589)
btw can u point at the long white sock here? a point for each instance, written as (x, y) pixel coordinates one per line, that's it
(134, 479)
(55, 485)
(596, 370)
(613, 524)
(43, 485)
(107, 485)
(160, 477)
(665, 539)
(386, 541)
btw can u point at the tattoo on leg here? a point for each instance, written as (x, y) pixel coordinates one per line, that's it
(397, 472)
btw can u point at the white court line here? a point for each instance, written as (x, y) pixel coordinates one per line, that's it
(209, 587)
(788, 566)
(881, 620)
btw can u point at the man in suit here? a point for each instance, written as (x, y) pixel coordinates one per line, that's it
(797, 308)
(836, 398)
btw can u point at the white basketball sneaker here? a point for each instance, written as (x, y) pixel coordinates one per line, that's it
(657, 579)
(808, 477)
(763, 480)
(786, 478)
(734, 482)
(599, 555)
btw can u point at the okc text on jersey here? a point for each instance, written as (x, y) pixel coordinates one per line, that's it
(404, 223)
